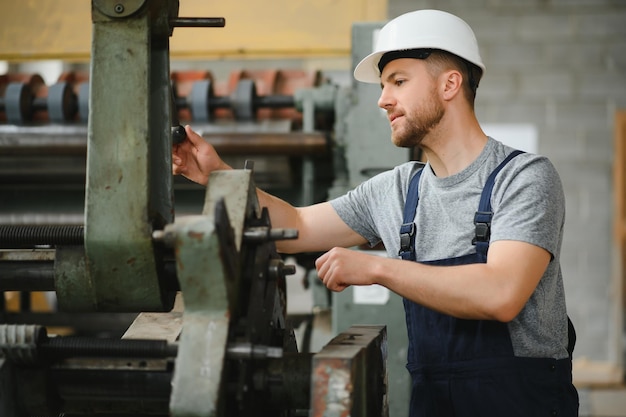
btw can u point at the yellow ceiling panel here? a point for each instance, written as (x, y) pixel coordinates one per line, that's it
(61, 29)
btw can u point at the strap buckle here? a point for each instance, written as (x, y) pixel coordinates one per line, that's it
(482, 222)
(407, 238)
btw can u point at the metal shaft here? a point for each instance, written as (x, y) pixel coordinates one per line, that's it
(56, 348)
(28, 236)
(198, 22)
(36, 275)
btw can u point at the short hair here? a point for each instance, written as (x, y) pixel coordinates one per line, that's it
(440, 61)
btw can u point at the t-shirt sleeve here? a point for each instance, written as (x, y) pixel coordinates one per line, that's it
(529, 204)
(374, 208)
(354, 209)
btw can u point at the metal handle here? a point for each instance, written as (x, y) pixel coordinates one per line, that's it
(198, 22)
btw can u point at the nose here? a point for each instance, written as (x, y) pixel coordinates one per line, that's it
(385, 100)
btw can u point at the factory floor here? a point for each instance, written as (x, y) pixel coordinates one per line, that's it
(602, 401)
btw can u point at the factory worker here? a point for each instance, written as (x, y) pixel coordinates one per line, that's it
(473, 238)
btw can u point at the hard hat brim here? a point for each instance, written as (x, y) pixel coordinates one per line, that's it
(367, 70)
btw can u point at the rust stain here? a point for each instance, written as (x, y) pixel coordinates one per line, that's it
(179, 263)
(320, 390)
(195, 235)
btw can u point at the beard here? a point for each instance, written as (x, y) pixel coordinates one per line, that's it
(419, 123)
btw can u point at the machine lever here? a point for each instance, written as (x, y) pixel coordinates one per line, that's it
(198, 22)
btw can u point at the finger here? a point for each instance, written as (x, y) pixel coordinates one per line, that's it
(321, 266)
(339, 288)
(322, 259)
(193, 137)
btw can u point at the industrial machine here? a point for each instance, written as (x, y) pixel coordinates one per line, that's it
(201, 298)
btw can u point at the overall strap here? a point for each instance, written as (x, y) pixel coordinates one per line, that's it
(407, 230)
(482, 221)
(482, 218)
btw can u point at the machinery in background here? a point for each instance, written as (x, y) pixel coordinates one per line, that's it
(44, 156)
(226, 348)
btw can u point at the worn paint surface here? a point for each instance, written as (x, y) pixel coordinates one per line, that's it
(349, 375)
(206, 318)
(127, 172)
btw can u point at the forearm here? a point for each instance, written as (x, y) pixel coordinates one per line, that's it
(467, 291)
(282, 214)
(496, 290)
(319, 226)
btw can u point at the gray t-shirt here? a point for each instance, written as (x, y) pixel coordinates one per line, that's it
(528, 205)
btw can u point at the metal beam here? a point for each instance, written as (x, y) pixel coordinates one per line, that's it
(129, 181)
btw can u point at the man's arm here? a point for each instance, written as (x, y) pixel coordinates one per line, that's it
(319, 226)
(496, 290)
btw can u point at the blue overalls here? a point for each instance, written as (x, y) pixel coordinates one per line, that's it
(466, 368)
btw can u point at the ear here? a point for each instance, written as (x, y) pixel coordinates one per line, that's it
(451, 84)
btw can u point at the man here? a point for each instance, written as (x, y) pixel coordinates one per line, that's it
(473, 240)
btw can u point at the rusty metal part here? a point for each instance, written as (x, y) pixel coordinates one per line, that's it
(248, 95)
(270, 143)
(349, 375)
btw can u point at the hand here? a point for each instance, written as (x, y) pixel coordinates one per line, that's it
(195, 158)
(339, 268)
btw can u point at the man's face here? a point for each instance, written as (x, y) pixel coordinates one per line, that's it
(409, 95)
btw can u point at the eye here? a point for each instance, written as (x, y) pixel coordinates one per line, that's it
(399, 82)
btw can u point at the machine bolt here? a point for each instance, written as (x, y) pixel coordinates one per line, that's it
(119, 8)
(289, 269)
(265, 234)
(278, 269)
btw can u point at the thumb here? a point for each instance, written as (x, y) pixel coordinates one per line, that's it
(194, 138)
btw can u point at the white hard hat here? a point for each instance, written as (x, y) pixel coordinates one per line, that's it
(429, 29)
